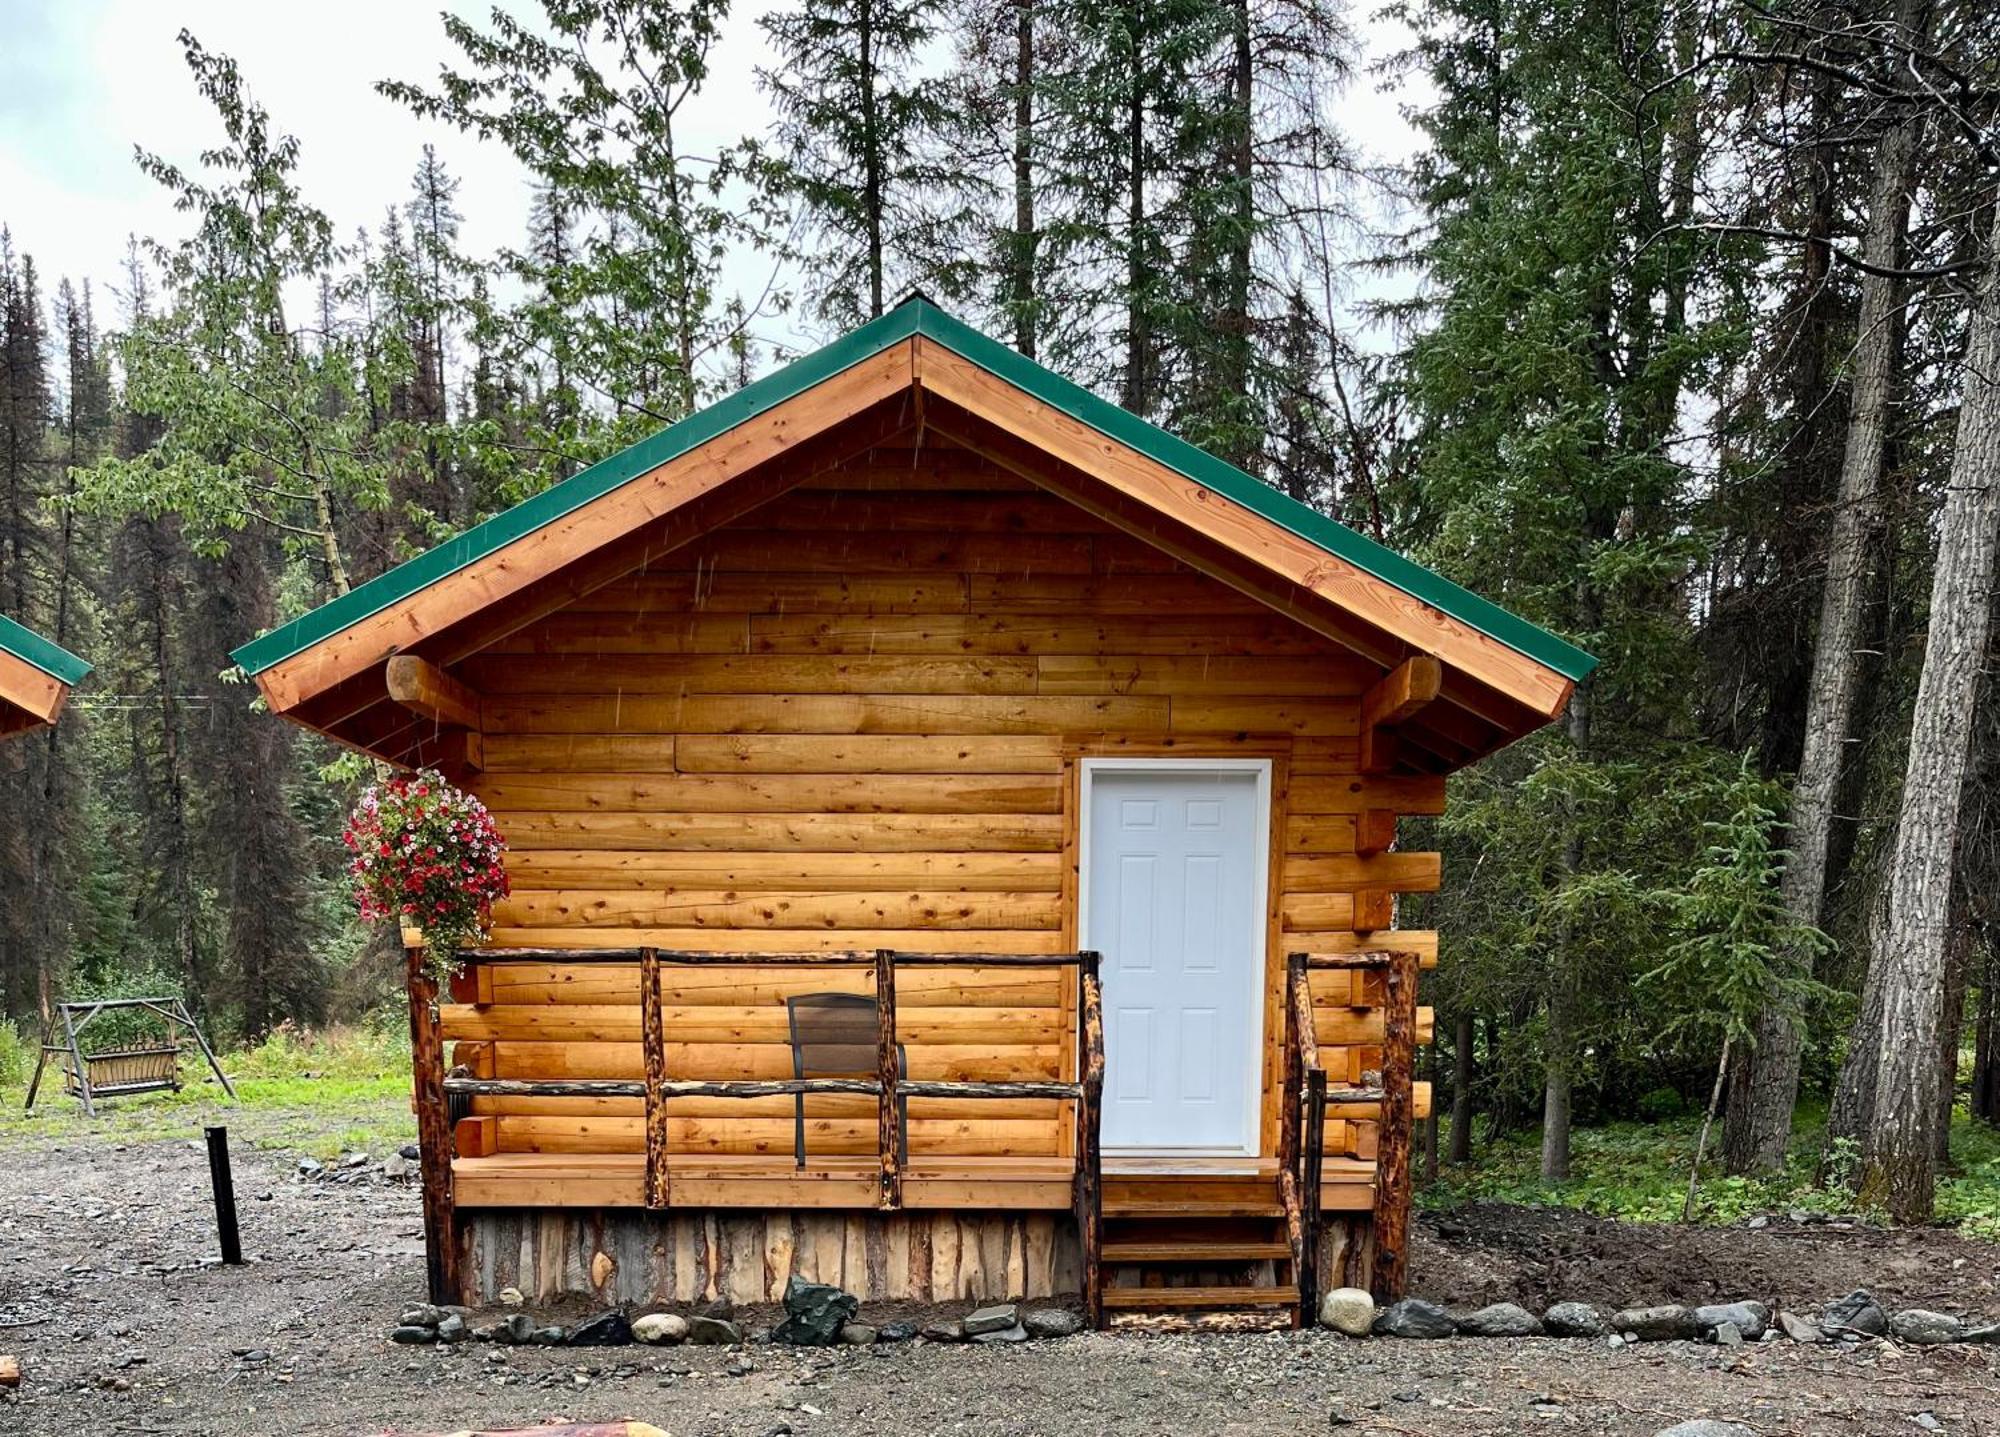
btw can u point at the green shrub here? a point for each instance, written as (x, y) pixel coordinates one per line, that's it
(1661, 1104)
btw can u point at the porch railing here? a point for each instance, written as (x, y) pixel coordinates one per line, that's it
(1306, 1099)
(888, 1086)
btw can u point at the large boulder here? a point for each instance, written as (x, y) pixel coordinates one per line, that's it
(1501, 1319)
(1413, 1317)
(1921, 1327)
(1748, 1318)
(1655, 1324)
(1574, 1319)
(814, 1314)
(1858, 1312)
(1052, 1322)
(657, 1328)
(1348, 1309)
(605, 1329)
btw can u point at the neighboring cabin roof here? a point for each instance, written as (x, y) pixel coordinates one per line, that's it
(35, 677)
(1456, 616)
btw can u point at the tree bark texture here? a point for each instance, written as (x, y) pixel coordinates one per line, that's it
(1898, 1156)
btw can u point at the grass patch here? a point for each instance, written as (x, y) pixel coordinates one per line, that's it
(318, 1093)
(1639, 1172)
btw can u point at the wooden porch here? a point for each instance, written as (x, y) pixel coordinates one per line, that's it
(1149, 1234)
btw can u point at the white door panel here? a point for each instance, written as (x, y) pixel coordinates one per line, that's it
(1174, 890)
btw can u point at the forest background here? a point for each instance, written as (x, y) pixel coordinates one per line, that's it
(1676, 330)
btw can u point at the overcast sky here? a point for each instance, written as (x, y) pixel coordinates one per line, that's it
(84, 81)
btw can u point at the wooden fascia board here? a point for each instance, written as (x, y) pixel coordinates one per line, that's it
(38, 695)
(509, 570)
(1285, 555)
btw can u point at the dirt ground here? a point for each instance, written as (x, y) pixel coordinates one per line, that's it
(122, 1327)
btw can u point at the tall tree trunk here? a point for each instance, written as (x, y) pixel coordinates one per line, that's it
(1985, 1102)
(1021, 267)
(1460, 1150)
(871, 158)
(1760, 1116)
(1951, 1024)
(1898, 1153)
(1138, 328)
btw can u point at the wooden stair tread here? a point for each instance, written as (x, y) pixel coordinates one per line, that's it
(1171, 1205)
(1195, 1250)
(1157, 1297)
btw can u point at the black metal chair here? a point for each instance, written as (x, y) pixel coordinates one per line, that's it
(836, 1035)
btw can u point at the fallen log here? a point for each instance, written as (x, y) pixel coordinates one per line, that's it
(10, 1371)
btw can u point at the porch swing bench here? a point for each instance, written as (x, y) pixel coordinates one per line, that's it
(141, 1067)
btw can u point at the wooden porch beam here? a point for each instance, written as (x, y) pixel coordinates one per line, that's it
(428, 691)
(1396, 696)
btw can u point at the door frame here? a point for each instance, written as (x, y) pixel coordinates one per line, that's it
(1257, 938)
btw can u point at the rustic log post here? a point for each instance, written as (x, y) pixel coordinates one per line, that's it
(82, 1068)
(653, 1037)
(889, 1073)
(1392, 1150)
(1290, 1096)
(433, 1133)
(1315, 1165)
(1089, 1122)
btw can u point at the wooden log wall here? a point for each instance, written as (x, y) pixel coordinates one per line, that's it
(851, 720)
(637, 1257)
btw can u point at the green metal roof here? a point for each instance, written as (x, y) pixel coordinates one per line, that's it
(30, 647)
(915, 316)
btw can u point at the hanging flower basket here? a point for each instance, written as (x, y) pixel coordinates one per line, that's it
(426, 855)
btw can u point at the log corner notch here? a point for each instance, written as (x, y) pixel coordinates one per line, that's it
(454, 706)
(1395, 697)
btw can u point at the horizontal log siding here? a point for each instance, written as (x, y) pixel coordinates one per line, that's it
(846, 722)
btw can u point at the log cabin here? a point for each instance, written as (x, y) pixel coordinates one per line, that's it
(35, 679)
(953, 847)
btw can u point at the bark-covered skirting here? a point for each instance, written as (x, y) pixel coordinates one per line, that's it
(694, 1255)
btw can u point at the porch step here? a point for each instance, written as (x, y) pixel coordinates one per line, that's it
(1196, 1250)
(1192, 1204)
(1286, 1295)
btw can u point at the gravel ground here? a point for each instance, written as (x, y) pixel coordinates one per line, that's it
(123, 1327)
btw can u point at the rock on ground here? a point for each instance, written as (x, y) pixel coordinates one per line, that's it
(815, 1312)
(1052, 1322)
(1413, 1317)
(1655, 1324)
(1705, 1427)
(996, 1318)
(1748, 1318)
(1574, 1319)
(1348, 1309)
(659, 1327)
(606, 1329)
(1856, 1312)
(1922, 1328)
(1501, 1319)
(1800, 1329)
(705, 1331)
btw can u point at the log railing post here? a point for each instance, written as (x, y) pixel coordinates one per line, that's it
(1291, 1118)
(433, 1133)
(1089, 1124)
(889, 1075)
(653, 1038)
(1315, 1166)
(1392, 1145)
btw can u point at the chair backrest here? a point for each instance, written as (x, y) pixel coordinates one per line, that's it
(834, 1035)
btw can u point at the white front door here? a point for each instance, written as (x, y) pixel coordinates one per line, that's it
(1173, 887)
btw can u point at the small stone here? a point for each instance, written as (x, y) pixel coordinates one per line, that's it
(944, 1332)
(395, 1166)
(1348, 1309)
(1727, 1334)
(992, 1319)
(1016, 1333)
(1501, 1319)
(1759, 1223)
(606, 1329)
(1574, 1319)
(1705, 1427)
(1338, 1418)
(1052, 1322)
(1928, 1421)
(857, 1334)
(1413, 1317)
(897, 1332)
(1921, 1327)
(1985, 1332)
(550, 1336)
(706, 1331)
(452, 1328)
(490, 1332)
(660, 1327)
(410, 1334)
(511, 1297)
(1655, 1324)
(741, 1367)
(254, 1356)
(1800, 1329)
(1748, 1318)
(517, 1329)
(423, 1315)
(354, 1160)
(410, 1151)
(1856, 1312)
(815, 1312)
(311, 1167)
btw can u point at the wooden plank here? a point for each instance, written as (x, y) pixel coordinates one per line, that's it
(716, 1023)
(1005, 632)
(1355, 794)
(761, 674)
(825, 1136)
(429, 692)
(767, 944)
(772, 793)
(872, 754)
(592, 628)
(1302, 718)
(1280, 1295)
(748, 982)
(853, 713)
(1326, 676)
(1403, 872)
(746, 550)
(37, 695)
(616, 514)
(778, 909)
(722, 831)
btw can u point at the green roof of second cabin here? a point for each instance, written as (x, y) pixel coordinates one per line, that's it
(31, 648)
(35, 678)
